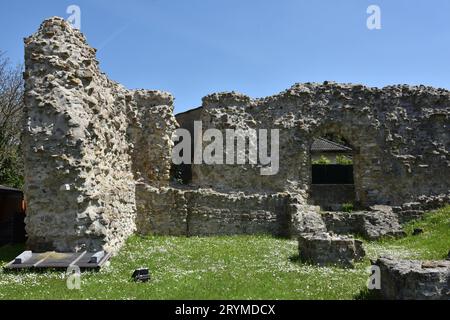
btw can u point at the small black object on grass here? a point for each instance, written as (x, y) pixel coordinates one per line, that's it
(141, 275)
(417, 231)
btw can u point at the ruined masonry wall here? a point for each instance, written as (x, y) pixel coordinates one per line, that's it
(205, 212)
(98, 156)
(400, 135)
(83, 141)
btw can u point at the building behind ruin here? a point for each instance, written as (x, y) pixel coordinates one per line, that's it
(98, 156)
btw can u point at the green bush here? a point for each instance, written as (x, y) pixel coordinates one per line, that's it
(347, 207)
(322, 160)
(343, 160)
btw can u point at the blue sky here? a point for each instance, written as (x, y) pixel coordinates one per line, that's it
(196, 47)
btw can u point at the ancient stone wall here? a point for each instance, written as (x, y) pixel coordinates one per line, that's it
(332, 196)
(82, 150)
(98, 156)
(205, 212)
(400, 135)
(151, 124)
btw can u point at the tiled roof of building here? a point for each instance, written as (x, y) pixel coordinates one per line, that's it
(324, 145)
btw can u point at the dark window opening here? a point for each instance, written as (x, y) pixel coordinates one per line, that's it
(332, 174)
(331, 161)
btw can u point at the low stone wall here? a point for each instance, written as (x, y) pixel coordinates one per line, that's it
(372, 225)
(328, 196)
(204, 212)
(212, 213)
(415, 210)
(161, 211)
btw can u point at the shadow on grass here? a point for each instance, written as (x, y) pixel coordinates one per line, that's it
(367, 294)
(295, 258)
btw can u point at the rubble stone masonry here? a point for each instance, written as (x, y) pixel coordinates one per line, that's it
(98, 156)
(86, 141)
(400, 136)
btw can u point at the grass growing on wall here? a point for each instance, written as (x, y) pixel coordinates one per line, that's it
(238, 267)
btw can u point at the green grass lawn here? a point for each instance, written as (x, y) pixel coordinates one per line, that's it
(238, 267)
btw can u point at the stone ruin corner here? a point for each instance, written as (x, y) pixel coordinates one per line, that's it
(87, 140)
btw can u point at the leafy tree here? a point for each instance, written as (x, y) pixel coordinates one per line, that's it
(11, 104)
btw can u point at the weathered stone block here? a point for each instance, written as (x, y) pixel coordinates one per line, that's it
(371, 225)
(414, 280)
(327, 249)
(305, 219)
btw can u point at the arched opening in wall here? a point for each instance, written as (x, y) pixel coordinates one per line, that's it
(332, 173)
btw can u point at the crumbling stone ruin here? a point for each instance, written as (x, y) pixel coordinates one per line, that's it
(414, 280)
(87, 143)
(98, 156)
(400, 135)
(372, 225)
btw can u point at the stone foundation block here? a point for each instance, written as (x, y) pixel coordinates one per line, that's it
(327, 249)
(414, 280)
